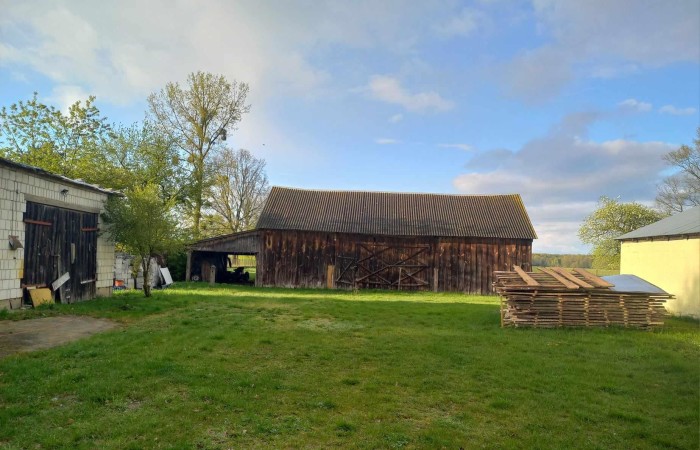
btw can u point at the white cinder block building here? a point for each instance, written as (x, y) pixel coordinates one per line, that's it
(51, 226)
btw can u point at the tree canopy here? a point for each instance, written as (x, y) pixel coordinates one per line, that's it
(139, 155)
(610, 220)
(561, 260)
(197, 117)
(69, 144)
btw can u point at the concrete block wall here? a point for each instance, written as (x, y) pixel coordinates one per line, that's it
(16, 188)
(122, 269)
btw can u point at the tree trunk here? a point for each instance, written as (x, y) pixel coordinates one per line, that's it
(198, 194)
(146, 264)
(197, 214)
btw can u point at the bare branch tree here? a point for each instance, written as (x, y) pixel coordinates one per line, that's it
(682, 189)
(239, 191)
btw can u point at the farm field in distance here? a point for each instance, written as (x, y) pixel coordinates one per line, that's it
(241, 367)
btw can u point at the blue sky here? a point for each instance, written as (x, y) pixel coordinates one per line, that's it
(559, 101)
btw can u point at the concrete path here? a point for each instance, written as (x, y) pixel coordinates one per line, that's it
(36, 334)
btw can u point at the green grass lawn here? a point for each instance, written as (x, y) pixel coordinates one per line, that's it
(242, 367)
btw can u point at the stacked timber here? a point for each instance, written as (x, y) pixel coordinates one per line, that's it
(556, 297)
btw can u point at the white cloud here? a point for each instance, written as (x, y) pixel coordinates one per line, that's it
(463, 24)
(538, 75)
(602, 38)
(465, 147)
(670, 109)
(612, 70)
(562, 174)
(389, 89)
(67, 95)
(635, 105)
(123, 51)
(386, 141)
(396, 118)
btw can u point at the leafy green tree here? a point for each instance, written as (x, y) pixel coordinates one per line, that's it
(143, 224)
(197, 117)
(682, 189)
(561, 260)
(68, 144)
(139, 155)
(610, 220)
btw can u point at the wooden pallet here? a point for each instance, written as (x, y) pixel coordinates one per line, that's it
(557, 297)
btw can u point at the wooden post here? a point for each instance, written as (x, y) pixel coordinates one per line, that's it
(212, 275)
(435, 279)
(188, 268)
(400, 278)
(330, 276)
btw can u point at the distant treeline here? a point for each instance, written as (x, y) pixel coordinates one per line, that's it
(553, 260)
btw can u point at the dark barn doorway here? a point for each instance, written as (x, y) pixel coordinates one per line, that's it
(59, 241)
(230, 258)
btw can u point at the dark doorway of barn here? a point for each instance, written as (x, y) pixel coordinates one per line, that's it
(60, 241)
(224, 267)
(240, 270)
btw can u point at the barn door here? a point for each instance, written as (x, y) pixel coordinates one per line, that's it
(346, 268)
(60, 240)
(378, 266)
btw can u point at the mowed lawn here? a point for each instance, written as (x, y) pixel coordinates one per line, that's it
(241, 367)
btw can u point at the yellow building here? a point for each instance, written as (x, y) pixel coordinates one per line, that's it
(667, 254)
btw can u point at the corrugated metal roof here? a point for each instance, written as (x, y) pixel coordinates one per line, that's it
(243, 242)
(685, 223)
(397, 214)
(60, 178)
(632, 283)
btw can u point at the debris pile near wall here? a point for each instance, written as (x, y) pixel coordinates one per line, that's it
(557, 297)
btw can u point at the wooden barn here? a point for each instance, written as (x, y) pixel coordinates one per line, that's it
(379, 240)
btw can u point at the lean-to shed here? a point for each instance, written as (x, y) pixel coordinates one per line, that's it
(667, 253)
(386, 240)
(51, 227)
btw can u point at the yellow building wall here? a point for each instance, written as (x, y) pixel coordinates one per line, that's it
(672, 265)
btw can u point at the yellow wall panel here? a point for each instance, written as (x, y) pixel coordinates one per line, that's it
(672, 265)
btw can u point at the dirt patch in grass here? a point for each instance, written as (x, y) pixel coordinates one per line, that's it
(36, 334)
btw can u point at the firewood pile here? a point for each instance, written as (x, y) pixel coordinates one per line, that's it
(557, 297)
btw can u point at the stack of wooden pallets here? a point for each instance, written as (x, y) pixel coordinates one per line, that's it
(556, 297)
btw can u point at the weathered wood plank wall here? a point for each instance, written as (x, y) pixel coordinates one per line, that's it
(61, 240)
(301, 259)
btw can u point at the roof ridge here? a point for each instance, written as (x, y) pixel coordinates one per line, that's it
(392, 192)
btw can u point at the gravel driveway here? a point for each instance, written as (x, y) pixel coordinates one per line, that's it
(36, 334)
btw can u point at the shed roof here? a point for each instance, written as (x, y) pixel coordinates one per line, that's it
(55, 177)
(397, 214)
(242, 243)
(681, 224)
